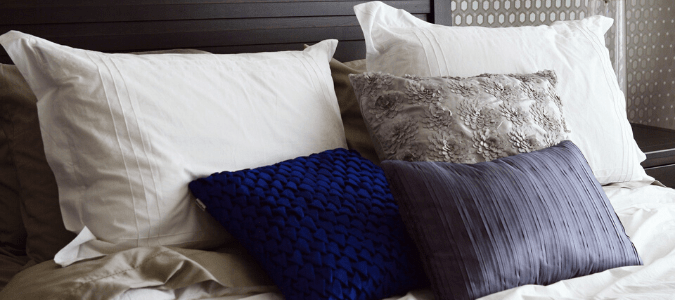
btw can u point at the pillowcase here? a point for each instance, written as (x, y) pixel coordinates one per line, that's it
(533, 218)
(28, 187)
(124, 134)
(323, 226)
(355, 128)
(460, 120)
(399, 43)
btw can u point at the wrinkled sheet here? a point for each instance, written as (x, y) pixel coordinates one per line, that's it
(11, 264)
(647, 213)
(145, 273)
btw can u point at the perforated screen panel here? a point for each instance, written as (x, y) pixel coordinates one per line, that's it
(507, 13)
(640, 43)
(650, 68)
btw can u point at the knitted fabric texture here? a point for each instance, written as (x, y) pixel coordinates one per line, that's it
(323, 226)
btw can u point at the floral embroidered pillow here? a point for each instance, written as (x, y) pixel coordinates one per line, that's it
(460, 120)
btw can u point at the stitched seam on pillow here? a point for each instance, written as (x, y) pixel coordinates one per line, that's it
(310, 66)
(156, 191)
(594, 43)
(110, 111)
(427, 33)
(72, 160)
(322, 83)
(426, 54)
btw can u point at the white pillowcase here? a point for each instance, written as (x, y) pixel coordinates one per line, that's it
(595, 107)
(125, 134)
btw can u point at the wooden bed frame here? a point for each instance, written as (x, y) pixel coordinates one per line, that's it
(218, 26)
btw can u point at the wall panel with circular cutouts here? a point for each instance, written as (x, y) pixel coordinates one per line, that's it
(640, 43)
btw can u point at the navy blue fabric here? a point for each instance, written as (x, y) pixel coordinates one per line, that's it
(323, 227)
(533, 218)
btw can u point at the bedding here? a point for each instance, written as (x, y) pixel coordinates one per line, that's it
(230, 272)
(21, 133)
(460, 120)
(26, 173)
(12, 232)
(212, 273)
(323, 226)
(532, 218)
(12, 263)
(398, 43)
(122, 134)
(28, 186)
(356, 132)
(646, 211)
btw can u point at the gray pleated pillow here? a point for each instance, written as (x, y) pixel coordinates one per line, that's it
(533, 218)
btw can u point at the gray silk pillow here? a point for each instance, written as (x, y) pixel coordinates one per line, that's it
(533, 218)
(461, 120)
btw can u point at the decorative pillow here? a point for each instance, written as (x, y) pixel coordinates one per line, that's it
(323, 226)
(28, 186)
(124, 134)
(399, 43)
(355, 128)
(533, 218)
(460, 120)
(12, 232)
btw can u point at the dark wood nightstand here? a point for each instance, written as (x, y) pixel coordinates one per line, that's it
(659, 146)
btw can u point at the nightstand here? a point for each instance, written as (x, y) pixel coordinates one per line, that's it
(659, 146)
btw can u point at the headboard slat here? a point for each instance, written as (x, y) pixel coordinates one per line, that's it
(219, 26)
(155, 12)
(56, 31)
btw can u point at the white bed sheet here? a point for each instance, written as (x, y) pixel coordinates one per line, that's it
(647, 213)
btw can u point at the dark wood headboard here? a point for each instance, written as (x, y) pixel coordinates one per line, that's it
(218, 26)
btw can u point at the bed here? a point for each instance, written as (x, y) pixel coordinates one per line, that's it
(318, 150)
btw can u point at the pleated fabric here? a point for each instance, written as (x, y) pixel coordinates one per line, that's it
(533, 218)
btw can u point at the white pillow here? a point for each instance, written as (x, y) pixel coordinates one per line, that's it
(125, 134)
(595, 108)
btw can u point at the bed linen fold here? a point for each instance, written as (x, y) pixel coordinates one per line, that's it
(11, 264)
(161, 268)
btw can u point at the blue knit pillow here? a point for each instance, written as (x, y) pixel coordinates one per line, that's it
(323, 226)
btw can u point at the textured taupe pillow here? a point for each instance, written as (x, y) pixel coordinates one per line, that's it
(37, 189)
(12, 232)
(460, 120)
(355, 128)
(28, 189)
(10, 265)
